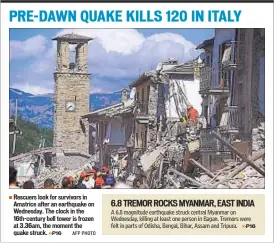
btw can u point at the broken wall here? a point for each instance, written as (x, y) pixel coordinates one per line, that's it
(152, 112)
(117, 132)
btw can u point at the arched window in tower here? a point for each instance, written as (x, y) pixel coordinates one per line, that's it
(72, 56)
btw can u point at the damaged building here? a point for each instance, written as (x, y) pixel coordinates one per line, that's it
(113, 127)
(148, 134)
(232, 88)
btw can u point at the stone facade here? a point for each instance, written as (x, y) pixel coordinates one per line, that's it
(247, 77)
(72, 84)
(68, 133)
(152, 111)
(258, 51)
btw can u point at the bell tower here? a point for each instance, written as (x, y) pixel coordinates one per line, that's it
(71, 93)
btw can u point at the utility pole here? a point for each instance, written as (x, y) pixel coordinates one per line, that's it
(15, 122)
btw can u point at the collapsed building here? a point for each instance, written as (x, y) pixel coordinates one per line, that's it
(230, 153)
(149, 119)
(144, 135)
(227, 151)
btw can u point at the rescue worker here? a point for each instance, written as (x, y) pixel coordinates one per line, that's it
(183, 119)
(105, 172)
(192, 115)
(92, 173)
(72, 182)
(66, 183)
(88, 180)
(49, 184)
(80, 184)
(99, 182)
(110, 180)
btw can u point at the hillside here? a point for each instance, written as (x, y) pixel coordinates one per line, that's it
(39, 108)
(30, 138)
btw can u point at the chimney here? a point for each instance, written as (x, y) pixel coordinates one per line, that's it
(124, 95)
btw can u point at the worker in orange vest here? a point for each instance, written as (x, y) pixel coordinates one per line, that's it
(192, 115)
(99, 182)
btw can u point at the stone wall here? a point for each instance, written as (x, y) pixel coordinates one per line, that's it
(81, 57)
(245, 97)
(62, 56)
(258, 51)
(152, 111)
(258, 137)
(68, 133)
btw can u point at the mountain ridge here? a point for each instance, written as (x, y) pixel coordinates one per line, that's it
(39, 108)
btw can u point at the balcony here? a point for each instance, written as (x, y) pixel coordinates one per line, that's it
(234, 120)
(209, 144)
(205, 79)
(206, 82)
(142, 116)
(233, 55)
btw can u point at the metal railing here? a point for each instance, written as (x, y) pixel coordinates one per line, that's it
(208, 143)
(233, 54)
(205, 78)
(234, 119)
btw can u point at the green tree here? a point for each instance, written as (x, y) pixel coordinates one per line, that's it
(30, 138)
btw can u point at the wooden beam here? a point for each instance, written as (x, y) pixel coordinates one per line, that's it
(194, 162)
(235, 172)
(196, 183)
(243, 157)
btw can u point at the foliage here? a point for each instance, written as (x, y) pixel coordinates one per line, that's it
(30, 138)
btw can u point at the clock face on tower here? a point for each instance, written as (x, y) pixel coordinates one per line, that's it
(70, 106)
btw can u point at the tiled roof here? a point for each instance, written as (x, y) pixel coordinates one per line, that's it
(143, 78)
(73, 38)
(110, 111)
(205, 43)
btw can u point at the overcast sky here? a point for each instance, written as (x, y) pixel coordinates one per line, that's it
(116, 56)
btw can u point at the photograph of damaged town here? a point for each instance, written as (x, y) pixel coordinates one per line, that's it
(137, 108)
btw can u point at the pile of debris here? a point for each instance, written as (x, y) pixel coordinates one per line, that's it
(176, 165)
(34, 166)
(236, 175)
(162, 164)
(258, 137)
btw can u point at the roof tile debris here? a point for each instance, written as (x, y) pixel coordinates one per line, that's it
(185, 68)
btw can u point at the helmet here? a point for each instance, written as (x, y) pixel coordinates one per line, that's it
(92, 171)
(105, 169)
(84, 174)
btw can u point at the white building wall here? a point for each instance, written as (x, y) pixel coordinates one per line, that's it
(192, 93)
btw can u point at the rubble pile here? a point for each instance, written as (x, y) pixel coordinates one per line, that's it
(56, 174)
(243, 179)
(30, 167)
(258, 137)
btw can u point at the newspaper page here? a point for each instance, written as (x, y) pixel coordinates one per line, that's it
(136, 122)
